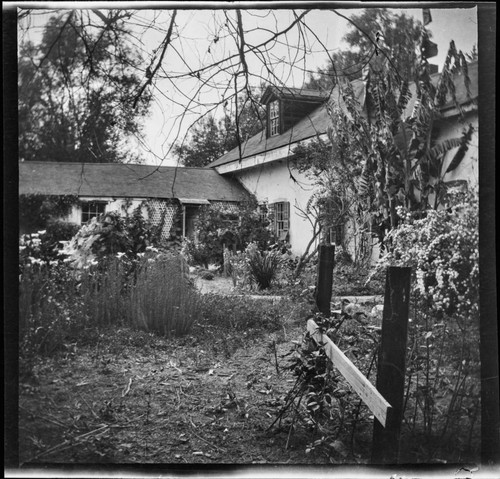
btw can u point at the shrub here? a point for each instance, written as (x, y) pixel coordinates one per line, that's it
(263, 266)
(36, 212)
(111, 234)
(442, 249)
(44, 247)
(443, 364)
(242, 224)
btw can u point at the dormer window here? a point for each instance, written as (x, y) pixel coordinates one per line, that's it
(287, 106)
(274, 118)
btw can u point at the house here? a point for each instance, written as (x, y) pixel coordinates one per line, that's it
(163, 193)
(264, 164)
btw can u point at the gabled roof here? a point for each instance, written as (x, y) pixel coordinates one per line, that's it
(118, 180)
(318, 121)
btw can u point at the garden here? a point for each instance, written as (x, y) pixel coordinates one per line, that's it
(128, 356)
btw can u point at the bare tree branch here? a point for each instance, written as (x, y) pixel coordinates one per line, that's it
(153, 73)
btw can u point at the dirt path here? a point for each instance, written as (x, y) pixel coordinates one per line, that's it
(138, 398)
(219, 284)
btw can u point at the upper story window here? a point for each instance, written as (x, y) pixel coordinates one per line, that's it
(274, 118)
(92, 209)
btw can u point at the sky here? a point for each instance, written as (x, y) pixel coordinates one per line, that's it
(199, 40)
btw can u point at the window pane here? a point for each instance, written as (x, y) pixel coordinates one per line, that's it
(282, 214)
(274, 118)
(91, 210)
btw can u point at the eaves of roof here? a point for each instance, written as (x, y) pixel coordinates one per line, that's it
(118, 180)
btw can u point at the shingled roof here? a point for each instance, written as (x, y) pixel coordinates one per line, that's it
(118, 180)
(318, 121)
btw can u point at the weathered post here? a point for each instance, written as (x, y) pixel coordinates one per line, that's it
(326, 262)
(391, 364)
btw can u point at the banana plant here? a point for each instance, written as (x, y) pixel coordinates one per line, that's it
(402, 165)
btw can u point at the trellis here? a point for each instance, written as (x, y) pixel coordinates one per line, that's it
(162, 213)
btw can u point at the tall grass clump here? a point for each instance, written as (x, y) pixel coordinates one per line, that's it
(163, 299)
(263, 266)
(102, 290)
(58, 305)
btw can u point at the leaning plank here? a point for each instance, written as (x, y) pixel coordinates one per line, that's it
(365, 389)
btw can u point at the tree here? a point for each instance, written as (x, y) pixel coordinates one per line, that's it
(209, 139)
(75, 91)
(206, 143)
(375, 35)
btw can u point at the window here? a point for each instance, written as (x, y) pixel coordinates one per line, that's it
(282, 220)
(92, 209)
(274, 118)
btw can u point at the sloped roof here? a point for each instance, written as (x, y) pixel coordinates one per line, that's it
(293, 93)
(318, 121)
(311, 125)
(118, 180)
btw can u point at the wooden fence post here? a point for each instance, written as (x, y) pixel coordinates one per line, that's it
(391, 364)
(326, 262)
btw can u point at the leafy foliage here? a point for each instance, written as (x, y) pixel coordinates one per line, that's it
(442, 248)
(37, 211)
(320, 401)
(215, 224)
(163, 299)
(384, 158)
(207, 142)
(75, 92)
(111, 234)
(262, 265)
(394, 34)
(210, 138)
(44, 247)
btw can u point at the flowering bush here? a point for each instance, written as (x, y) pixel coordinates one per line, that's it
(109, 235)
(442, 248)
(43, 247)
(442, 369)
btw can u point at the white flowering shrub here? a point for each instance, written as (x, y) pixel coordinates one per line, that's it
(442, 249)
(442, 366)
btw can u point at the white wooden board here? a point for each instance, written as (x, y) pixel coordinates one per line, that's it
(363, 387)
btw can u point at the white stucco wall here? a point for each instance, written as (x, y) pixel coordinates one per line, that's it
(272, 183)
(118, 205)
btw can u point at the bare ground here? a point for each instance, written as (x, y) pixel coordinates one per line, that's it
(164, 401)
(133, 397)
